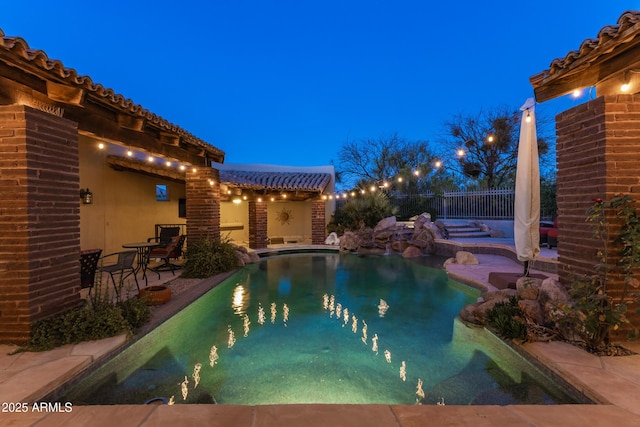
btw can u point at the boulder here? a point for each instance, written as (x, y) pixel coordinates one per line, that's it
(469, 313)
(528, 287)
(466, 258)
(502, 294)
(383, 234)
(350, 241)
(435, 231)
(422, 219)
(531, 310)
(388, 223)
(411, 252)
(399, 245)
(552, 291)
(254, 258)
(332, 239)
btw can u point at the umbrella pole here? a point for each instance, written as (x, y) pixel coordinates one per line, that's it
(526, 268)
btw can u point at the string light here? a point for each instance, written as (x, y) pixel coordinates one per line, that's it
(168, 163)
(101, 146)
(528, 118)
(577, 93)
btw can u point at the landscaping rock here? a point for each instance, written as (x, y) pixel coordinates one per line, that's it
(399, 245)
(466, 258)
(349, 242)
(502, 294)
(528, 287)
(531, 310)
(552, 291)
(411, 252)
(469, 313)
(421, 220)
(388, 223)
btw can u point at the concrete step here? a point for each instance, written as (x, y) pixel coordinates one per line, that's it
(453, 235)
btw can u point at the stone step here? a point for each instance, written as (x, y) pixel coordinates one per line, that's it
(467, 229)
(469, 234)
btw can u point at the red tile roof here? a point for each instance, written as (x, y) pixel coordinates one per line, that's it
(591, 51)
(16, 50)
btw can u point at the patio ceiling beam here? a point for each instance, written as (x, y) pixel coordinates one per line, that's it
(119, 163)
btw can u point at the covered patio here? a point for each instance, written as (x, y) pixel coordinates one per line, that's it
(83, 167)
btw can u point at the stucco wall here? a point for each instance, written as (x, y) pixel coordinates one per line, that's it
(124, 205)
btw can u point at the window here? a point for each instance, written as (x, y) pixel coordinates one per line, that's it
(162, 193)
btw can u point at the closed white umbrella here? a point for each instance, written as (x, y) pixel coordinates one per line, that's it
(527, 198)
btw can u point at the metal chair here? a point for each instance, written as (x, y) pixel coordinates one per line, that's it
(124, 267)
(88, 266)
(173, 250)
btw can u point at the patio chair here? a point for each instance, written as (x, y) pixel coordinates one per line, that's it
(173, 250)
(88, 266)
(165, 235)
(124, 267)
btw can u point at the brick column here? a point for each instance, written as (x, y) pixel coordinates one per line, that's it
(598, 156)
(39, 219)
(257, 224)
(203, 204)
(318, 222)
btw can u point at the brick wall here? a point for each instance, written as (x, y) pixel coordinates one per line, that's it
(39, 219)
(598, 153)
(203, 204)
(257, 224)
(318, 223)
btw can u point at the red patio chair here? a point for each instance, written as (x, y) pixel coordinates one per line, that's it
(173, 250)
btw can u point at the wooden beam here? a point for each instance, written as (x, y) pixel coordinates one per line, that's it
(119, 163)
(65, 93)
(131, 122)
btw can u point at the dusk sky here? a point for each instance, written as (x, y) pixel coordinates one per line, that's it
(288, 82)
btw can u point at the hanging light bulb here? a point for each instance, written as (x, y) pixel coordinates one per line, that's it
(460, 152)
(528, 118)
(101, 146)
(168, 163)
(399, 179)
(129, 153)
(438, 164)
(577, 93)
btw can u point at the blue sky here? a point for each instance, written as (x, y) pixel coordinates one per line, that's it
(287, 82)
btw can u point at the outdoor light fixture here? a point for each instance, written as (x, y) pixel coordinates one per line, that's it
(528, 118)
(438, 164)
(626, 85)
(460, 152)
(87, 196)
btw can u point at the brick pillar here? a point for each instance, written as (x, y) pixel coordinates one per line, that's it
(39, 219)
(203, 204)
(598, 156)
(257, 224)
(318, 222)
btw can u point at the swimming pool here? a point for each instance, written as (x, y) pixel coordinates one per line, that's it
(323, 328)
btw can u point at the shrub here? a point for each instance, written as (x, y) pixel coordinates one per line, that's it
(89, 322)
(367, 210)
(506, 319)
(207, 257)
(595, 311)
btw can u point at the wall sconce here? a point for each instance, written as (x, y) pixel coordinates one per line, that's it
(87, 196)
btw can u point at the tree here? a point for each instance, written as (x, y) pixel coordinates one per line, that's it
(374, 161)
(486, 145)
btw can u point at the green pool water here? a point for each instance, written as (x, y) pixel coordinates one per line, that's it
(323, 328)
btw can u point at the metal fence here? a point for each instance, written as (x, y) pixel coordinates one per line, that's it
(481, 204)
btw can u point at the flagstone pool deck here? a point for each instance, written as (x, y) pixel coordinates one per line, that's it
(612, 382)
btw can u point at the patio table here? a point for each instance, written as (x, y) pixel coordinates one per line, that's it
(144, 249)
